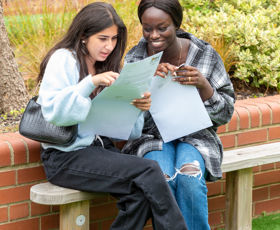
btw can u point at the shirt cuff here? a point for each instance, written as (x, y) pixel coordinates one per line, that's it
(212, 100)
(86, 86)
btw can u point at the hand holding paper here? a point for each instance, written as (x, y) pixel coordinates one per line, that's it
(113, 114)
(177, 109)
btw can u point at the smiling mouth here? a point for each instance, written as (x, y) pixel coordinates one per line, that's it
(157, 43)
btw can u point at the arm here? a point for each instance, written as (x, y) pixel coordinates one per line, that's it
(220, 106)
(64, 100)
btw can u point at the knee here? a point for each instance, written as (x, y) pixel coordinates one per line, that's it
(192, 169)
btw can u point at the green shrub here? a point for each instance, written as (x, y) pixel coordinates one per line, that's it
(250, 30)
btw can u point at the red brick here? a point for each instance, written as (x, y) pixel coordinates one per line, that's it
(233, 124)
(274, 133)
(275, 107)
(30, 224)
(278, 165)
(31, 174)
(214, 188)
(94, 226)
(20, 153)
(215, 218)
(257, 169)
(15, 194)
(101, 199)
(103, 211)
(5, 156)
(38, 209)
(55, 208)
(216, 203)
(267, 178)
(260, 194)
(34, 151)
(18, 147)
(252, 137)
(243, 115)
(275, 191)
(50, 222)
(3, 214)
(228, 141)
(19, 211)
(7, 178)
(33, 147)
(222, 129)
(265, 110)
(267, 167)
(254, 116)
(267, 206)
(5, 137)
(106, 224)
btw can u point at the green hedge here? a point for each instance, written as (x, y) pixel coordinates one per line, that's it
(250, 31)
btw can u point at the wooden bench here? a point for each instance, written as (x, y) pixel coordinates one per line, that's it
(237, 164)
(74, 204)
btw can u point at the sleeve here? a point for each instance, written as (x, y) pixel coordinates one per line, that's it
(220, 106)
(64, 100)
(138, 127)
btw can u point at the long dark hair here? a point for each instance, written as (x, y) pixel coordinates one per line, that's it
(92, 19)
(171, 7)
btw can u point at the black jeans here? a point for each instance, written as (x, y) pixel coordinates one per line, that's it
(138, 183)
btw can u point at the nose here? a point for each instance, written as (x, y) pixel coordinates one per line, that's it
(110, 45)
(155, 34)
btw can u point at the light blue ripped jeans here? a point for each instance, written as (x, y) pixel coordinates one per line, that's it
(184, 168)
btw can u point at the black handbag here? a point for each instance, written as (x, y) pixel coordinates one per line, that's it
(33, 126)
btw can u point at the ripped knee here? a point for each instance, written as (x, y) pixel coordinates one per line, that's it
(167, 176)
(191, 169)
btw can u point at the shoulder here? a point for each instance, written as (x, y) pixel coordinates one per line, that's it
(64, 64)
(137, 52)
(63, 56)
(202, 45)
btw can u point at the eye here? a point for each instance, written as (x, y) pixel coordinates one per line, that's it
(102, 39)
(162, 29)
(147, 29)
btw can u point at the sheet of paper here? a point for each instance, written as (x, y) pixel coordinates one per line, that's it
(177, 109)
(112, 114)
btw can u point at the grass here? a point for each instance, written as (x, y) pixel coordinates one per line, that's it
(267, 222)
(34, 30)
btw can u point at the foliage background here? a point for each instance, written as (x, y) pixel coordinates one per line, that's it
(246, 33)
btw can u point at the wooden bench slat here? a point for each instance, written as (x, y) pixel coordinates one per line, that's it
(248, 157)
(49, 194)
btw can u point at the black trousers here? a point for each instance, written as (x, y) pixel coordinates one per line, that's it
(138, 183)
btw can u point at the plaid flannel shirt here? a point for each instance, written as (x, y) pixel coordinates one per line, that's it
(220, 106)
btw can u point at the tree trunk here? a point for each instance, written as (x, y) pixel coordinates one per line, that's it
(13, 94)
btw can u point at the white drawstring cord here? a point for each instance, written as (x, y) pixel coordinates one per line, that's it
(100, 140)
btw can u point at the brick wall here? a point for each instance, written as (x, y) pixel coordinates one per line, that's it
(255, 121)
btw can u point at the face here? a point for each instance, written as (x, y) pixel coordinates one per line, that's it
(158, 29)
(101, 44)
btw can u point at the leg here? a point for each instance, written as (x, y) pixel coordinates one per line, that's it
(99, 170)
(191, 193)
(134, 211)
(166, 161)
